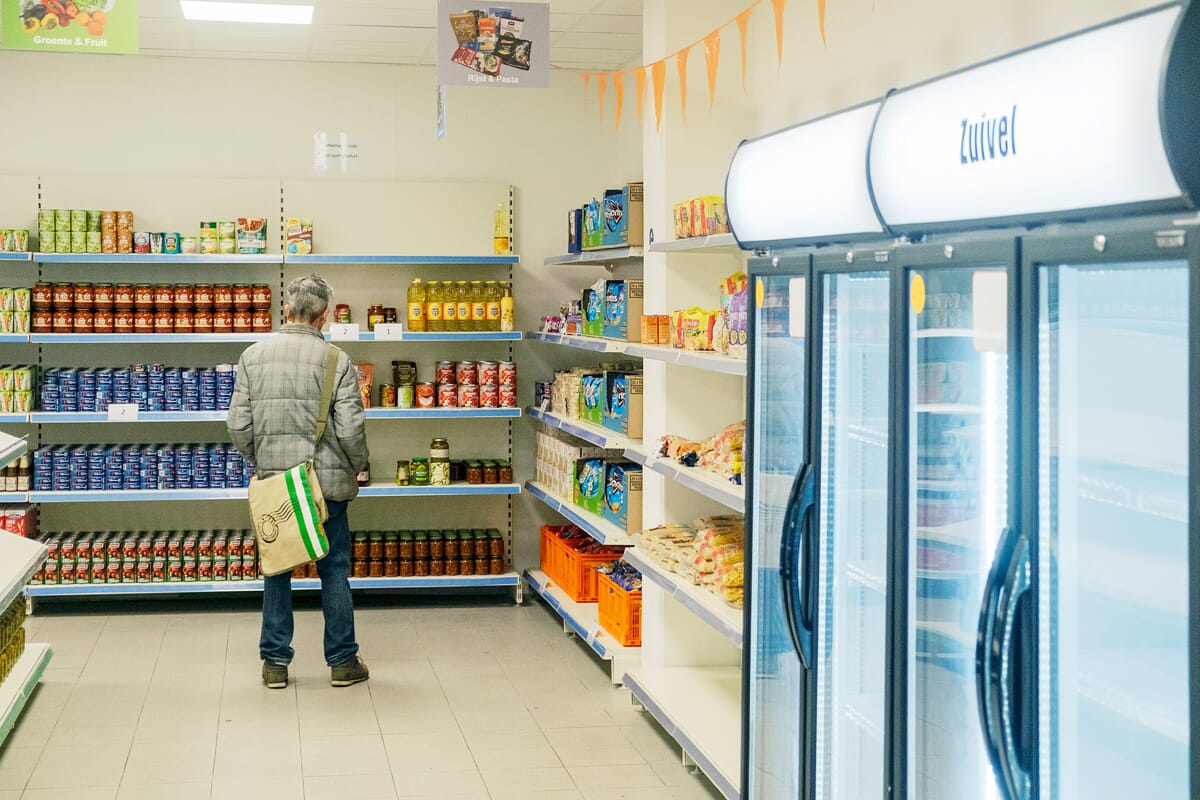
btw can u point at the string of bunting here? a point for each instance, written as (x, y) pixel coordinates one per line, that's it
(712, 56)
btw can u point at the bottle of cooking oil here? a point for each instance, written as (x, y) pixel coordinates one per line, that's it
(500, 243)
(416, 306)
(508, 307)
(478, 307)
(462, 292)
(433, 308)
(450, 321)
(492, 295)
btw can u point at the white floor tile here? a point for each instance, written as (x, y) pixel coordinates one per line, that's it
(79, 793)
(170, 761)
(285, 788)
(466, 783)
(541, 779)
(16, 765)
(614, 776)
(341, 787)
(343, 755)
(159, 791)
(79, 766)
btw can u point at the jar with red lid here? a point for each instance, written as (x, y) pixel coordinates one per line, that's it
(42, 295)
(42, 320)
(102, 320)
(260, 320)
(64, 320)
(123, 295)
(164, 295)
(374, 316)
(243, 297)
(83, 295)
(202, 295)
(64, 295)
(183, 296)
(223, 321)
(143, 295)
(143, 321)
(102, 295)
(164, 321)
(202, 320)
(242, 321)
(183, 320)
(260, 295)
(82, 322)
(123, 320)
(222, 296)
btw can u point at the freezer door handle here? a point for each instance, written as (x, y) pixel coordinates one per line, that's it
(1005, 676)
(794, 545)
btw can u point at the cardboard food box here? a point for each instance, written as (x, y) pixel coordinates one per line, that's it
(623, 303)
(623, 403)
(588, 490)
(593, 225)
(299, 234)
(623, 495)
(623, 211)
(649, 329)
(20, 520)
(574, 230)
(592, 308)
(591, 398)
(252, 235)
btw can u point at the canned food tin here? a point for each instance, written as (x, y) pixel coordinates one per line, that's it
(227, 246)
(141, 241)
(508, 396)
(489, 373)
(387, 395)
(46, 218)
(425, 395)
(108, 219)
(489, 396)
(189, 244)
(507, 373)
(445, 372)
(78, 242)
(171, 244)
(94, 242)
(8, 241)
(78, 220)
(108, 241)
(62, 241)
(62, 219)
(447, 396)
(125, 220)
(124, 242)
(467, 372)
(21, 240)
(468, 395)
(156, 243)
(405, 395)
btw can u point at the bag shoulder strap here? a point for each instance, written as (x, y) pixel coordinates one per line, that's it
(331, 363)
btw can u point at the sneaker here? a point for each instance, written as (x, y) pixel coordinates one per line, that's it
(349, 673)
(275, 676)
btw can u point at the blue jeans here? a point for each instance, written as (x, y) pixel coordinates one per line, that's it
(278, 625)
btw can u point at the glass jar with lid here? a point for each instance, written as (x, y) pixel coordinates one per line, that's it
(474, 472)
(451, 545)
(505, 472)
(437, 545)
(480, 549)
(406, 545)
(375, 545)
(421, 546)
(491, 472)
(418, 473)
(495, 543)
(359, 548)
(439, 462)
(391, 545)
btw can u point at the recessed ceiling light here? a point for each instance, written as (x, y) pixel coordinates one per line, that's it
(205, 11)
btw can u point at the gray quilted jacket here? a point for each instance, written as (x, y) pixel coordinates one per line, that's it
(273, 414)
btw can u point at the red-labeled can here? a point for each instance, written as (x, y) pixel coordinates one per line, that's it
(260, 320)
(202, 295)
(183, 320)
(183, 296)
(42, 320)
(489, 373)
(468, 395)
(508, 396)
(242, 321)
(83, 320)
(447, 395)
(103, 320)
(425, 395)
(489, 396)
(202, 320)
(445, 372)
(164, 321)
(507, 373)
(467, 372)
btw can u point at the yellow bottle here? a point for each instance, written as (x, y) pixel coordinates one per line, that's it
(450, 321)
(478, 307)
(433, 308)
(500, 243)
(462, 292)
(508, 307)
(416, 306)
(491, 293)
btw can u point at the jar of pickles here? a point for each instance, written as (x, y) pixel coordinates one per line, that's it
(439, 462)
(419, 472)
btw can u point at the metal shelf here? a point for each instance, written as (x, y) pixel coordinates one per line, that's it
(717, 244)
(6, 256)
(19, 559)
(442, 413)
(712, 610)
(701, 709)
(18, 687)
(452, 336)
(383, 490)
(12, 448)
(143, 338)
(712, 362)
(14, 419)
(589, 343)
(583, 619)
(598, 528)
(14, 338)
(509, 579)
(210, 260)
(603, 256)
(397, 259)
(592, 434)
(91, 417)
(138, 496)
(698, 480)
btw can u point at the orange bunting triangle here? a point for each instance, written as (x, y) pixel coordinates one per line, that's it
(658, 74)
(743, 23)
(712, 54)
(639, 76)
(603, 88)
(587, 79)
(779, 6)
(821, 19)
(681, 59)
(619, 85)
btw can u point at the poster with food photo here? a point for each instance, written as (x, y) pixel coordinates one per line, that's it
(500, 45)
(90, 26)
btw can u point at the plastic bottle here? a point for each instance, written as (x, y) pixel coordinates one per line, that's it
(478, 307)
(433, 308)
(508, 307)
(416, 306)
(492, 296)
(462, 292)
(500, 243)
(450, 320)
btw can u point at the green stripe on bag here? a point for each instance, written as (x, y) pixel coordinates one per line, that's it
(320, 543)
(300, 509)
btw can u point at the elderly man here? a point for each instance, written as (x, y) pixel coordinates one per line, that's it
(272, 421)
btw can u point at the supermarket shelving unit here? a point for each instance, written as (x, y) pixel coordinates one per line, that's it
(605, 256)
(19, 559)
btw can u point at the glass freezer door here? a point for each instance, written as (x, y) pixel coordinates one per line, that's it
(775, 684)
(852, 482)
(1113, 527)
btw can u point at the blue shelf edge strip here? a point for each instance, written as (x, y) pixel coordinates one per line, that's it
(679, 735)
(451, 336)
(575, 625)
(574, 515)
(256, 585)
(600, 438)
(394, 259)
(437, 491)
(442, 413)
(6, 256)
(158, 258)
(161, 495)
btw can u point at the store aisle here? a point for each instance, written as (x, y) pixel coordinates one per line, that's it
(464, 702)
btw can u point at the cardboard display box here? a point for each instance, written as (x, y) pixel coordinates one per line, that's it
(623, 302)
(589, 484)
(623, 403)
(591, 398)
(623, 214)
(592, 308)
(623, 495)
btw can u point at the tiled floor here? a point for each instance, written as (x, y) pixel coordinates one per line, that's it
(464, 702)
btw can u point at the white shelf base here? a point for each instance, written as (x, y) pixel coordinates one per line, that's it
(597, 527)
(19, 686)
(718, 243)
(19, 559)
(698, 480)
(701, 708)
(712, 610)
(592, 434)
(583, 620)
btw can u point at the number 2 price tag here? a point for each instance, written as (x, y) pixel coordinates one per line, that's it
(389, 331)
(123, 412)
(344, 332)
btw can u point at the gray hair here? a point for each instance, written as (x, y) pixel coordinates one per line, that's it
(308, 297)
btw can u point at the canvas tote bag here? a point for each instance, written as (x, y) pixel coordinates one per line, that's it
(287, 509)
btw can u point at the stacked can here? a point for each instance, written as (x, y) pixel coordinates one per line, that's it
(218, 237)
(77, 231)
(138, 467)
(15, 310)
(151, 386)
(474, 384)
(16, 389)
(14, 240)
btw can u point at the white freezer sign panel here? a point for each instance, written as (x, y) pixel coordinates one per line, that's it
(1071, 125)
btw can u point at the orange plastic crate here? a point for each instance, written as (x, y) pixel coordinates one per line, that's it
(620, 612)
(575, 573)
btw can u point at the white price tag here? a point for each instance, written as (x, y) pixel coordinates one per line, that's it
(389, 331)
(343, 332)
(123, 412)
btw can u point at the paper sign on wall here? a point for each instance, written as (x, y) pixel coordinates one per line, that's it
(493, 45)
(88, 26)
